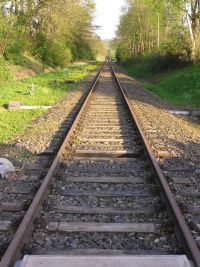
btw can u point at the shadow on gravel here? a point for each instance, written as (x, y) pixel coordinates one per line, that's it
(60, 134)
(189, 160)
(14, 153)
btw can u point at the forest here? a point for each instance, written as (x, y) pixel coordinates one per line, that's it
(165, 31)
(54, 31)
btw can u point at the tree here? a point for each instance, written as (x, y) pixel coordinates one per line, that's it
(151, 27)
(191, 11)
(54, 30)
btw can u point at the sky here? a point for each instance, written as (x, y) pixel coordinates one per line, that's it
(107, 16)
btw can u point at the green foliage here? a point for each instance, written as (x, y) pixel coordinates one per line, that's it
(55, 32)
(84, 51)
(143, 67)
(16, 48)
(54, 54)
(6, 32)
(4, 73)
(13, 43)
(122, 54)
(157, 37)
(164, 28)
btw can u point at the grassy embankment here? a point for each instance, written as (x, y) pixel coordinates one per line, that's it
(45, 94)
(180, 87)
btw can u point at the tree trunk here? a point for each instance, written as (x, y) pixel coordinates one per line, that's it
(192, 38)
(158, 31)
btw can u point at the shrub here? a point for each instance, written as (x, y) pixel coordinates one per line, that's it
(122, 55)
(84, 51)
(60, 54)
(16, 49)
(55, 54)
(6, 33)
(4, 73)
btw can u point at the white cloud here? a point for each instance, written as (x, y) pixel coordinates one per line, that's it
(107, 16)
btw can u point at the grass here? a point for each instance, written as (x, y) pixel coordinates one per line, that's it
(34, 64)
(180, 87)
(46, 93)
(12, 122)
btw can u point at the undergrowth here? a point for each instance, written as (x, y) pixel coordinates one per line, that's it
(179, 87)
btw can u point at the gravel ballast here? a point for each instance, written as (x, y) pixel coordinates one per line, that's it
(175, 141)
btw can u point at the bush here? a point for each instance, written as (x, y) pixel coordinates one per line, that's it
(55, 54)
(159, 62)
(60, 55)
(5, 34)
(4, 73)
(84, 51)
(16, 49)
(122, 55)
(174, 53)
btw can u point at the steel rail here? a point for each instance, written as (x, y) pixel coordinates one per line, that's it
(182, 230)
(25, 228)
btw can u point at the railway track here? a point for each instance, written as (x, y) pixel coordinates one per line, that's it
(104, 195)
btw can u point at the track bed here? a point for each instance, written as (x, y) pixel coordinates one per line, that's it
(102, 195)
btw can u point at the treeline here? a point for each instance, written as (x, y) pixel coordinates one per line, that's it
(56, 31)
(167, 30)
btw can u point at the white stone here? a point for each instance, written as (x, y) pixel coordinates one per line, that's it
(5, 167)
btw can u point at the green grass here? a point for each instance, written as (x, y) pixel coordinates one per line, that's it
(13, 122)
(45, 94)
(31, 63)
(180, 87)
